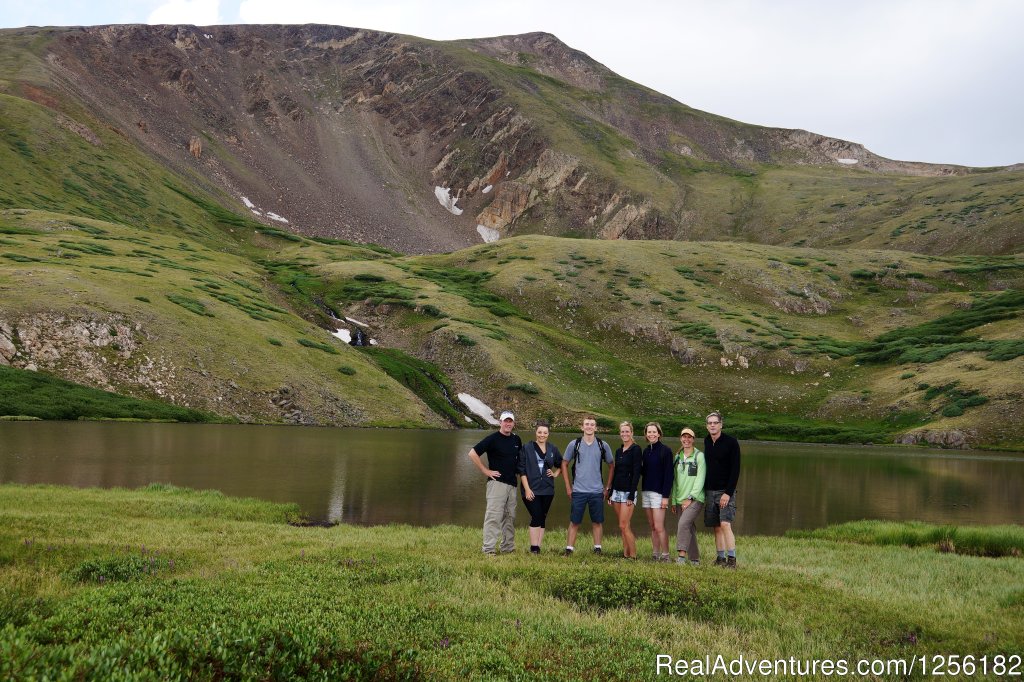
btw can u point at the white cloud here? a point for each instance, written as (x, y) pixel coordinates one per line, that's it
(197, 12)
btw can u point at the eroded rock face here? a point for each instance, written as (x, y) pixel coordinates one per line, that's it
(953, 438)
(7, 348)
(628, 216)
(100, 351)
(511, 200)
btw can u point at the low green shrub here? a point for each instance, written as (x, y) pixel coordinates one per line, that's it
(317, 345)
(432, 311)
(605, 589)
(190, 304)
(37, 394)
(119, 568)
(988, 541)
(425, 379)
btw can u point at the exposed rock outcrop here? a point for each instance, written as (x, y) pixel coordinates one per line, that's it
(953, 438)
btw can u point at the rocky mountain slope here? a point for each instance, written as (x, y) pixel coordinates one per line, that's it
(425, 146)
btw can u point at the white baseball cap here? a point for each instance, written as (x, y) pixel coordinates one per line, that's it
(506, 415)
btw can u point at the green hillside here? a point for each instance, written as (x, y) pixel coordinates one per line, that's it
(792, 343)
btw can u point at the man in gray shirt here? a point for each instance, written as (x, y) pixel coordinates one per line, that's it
(588, 488)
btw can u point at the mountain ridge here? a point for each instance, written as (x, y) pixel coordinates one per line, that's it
(346, 133)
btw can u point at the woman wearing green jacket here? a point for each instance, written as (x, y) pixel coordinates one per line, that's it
(688, 495)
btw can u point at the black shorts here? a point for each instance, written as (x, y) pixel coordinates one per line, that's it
(713, 512)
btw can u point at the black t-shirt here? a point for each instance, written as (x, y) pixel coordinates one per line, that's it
(502, 455)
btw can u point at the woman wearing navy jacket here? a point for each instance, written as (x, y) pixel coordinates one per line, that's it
(657, 487)
(540, 462)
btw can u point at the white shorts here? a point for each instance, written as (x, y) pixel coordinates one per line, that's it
(619, 496)
(652, 500)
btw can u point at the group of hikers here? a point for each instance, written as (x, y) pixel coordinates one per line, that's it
(689, 481)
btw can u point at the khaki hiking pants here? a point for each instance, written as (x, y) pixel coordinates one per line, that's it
(686, 531)
(500, 517)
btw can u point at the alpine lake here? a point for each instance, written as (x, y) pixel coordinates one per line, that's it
(424, 478)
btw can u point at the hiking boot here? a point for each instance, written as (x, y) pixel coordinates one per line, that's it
(720, 561)
(730, 562)
(566, 552)
(535, 550)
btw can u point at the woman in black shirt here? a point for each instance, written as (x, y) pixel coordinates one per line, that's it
(623, 480)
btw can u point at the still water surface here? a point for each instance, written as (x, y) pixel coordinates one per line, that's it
(420, 477)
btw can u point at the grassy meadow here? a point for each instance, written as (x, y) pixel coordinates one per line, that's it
(166, 583)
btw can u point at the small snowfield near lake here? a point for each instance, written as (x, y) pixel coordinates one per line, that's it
(477, 407)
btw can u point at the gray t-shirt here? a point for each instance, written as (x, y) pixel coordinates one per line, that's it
(588, 469)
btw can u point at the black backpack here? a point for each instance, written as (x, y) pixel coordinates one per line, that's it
(600, 460)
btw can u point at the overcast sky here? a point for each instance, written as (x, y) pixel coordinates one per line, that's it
(917, 80)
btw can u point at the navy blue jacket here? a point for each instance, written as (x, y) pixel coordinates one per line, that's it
(657, 469)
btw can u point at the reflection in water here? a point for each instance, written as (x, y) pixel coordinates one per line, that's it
(336, 506)
(370, 476)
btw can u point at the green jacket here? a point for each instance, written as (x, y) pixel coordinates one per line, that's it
(683, 484)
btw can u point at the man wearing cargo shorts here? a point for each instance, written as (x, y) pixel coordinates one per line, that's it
(502, 449)
(722, 455)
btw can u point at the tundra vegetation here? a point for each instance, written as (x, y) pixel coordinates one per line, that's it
(166, 583)
(644, 330)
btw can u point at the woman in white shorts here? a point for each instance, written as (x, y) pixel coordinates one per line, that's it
(657, 474)
(622, 483)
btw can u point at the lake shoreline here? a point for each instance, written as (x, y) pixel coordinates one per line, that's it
(613, 435)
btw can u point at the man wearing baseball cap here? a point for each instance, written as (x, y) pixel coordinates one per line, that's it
(502, 449)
